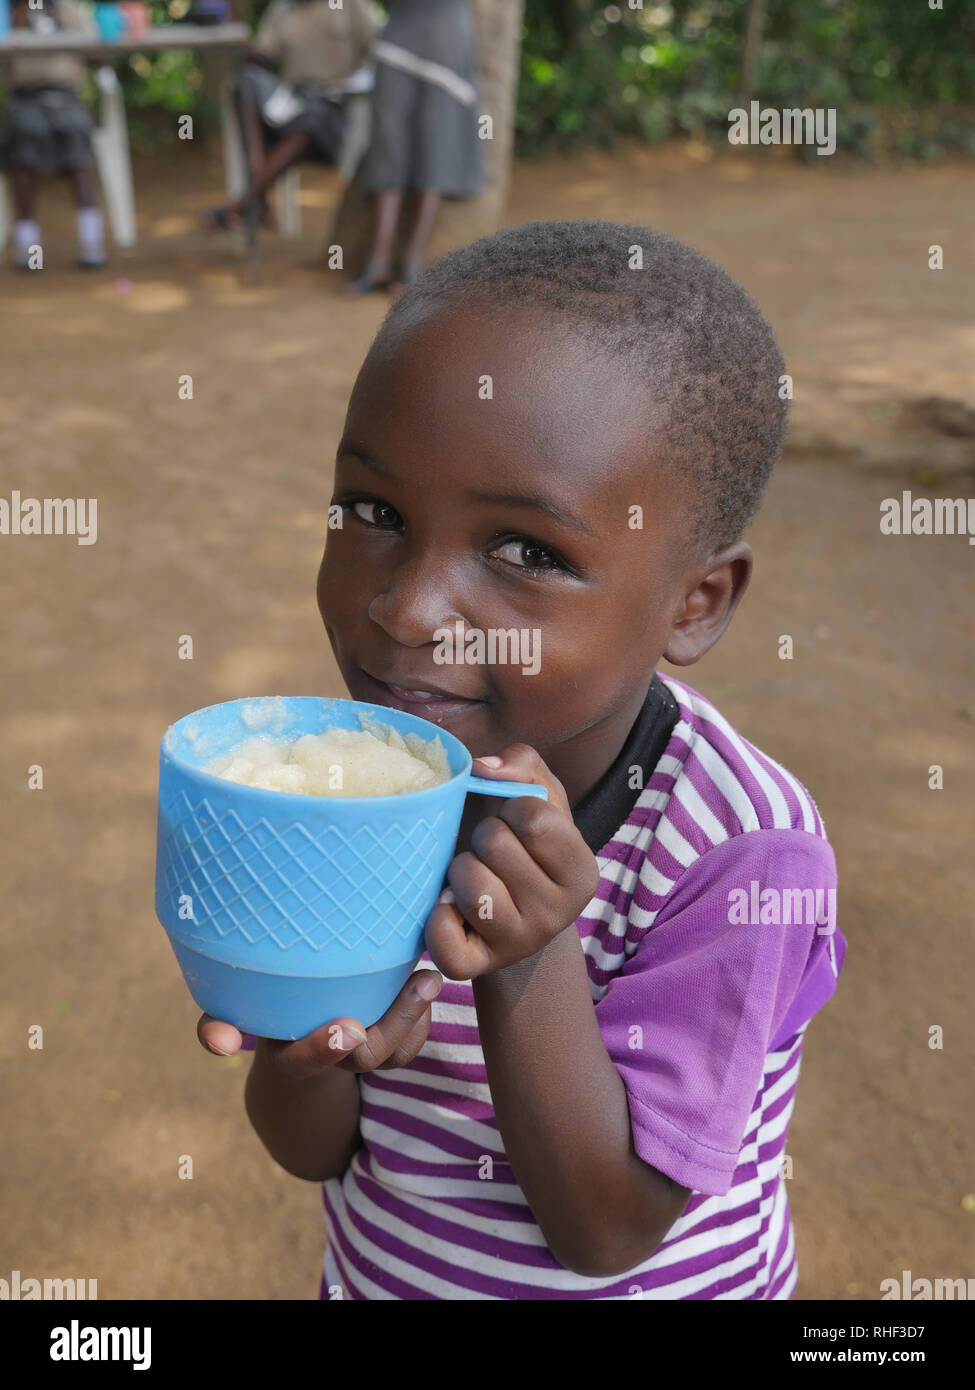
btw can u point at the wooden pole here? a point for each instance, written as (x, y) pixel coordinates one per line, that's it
(753, 39)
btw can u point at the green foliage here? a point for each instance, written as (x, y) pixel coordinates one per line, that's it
(160, 86)
(900, 75)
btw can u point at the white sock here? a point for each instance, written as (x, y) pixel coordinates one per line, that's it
(26, 233)
(91, 235)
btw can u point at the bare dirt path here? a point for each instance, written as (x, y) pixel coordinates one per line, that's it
(211, 523)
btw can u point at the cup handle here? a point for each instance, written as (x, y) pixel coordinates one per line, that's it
(484, 786)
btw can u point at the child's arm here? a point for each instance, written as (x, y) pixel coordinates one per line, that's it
(310, 1126)
(605, 1110)
(266, 45)
(565, 1117)
(560, 1102)
(363, 29)
(303, 1097)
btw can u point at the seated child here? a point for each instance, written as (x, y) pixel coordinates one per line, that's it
(47, 130)
(565, 428)
(317, 49)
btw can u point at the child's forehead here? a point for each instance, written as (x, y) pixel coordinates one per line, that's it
(505, 389)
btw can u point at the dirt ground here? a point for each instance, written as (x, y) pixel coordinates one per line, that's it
(210, 524)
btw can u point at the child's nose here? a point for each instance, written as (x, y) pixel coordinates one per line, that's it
(412, 606)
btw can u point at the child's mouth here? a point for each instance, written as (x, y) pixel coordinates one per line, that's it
(438, 704)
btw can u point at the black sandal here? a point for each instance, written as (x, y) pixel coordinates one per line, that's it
(222, 219)
(229, 218)
(367, 282)
(409, 272)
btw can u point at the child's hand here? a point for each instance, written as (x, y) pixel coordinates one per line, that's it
(529, 876)
(392, 1042)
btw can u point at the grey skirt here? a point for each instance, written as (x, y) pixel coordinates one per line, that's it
(421, 137)
(47, 130)
(424, 136)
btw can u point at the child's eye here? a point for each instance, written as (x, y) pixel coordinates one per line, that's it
(383, 516)
(528, 555)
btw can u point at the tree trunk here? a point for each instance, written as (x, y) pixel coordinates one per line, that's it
(459, 220)
(753, 37)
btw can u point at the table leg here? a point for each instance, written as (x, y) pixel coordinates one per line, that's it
(250, 219)
(114, 160)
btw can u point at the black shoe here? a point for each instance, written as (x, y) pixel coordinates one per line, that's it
(409, 272)
(369, 280)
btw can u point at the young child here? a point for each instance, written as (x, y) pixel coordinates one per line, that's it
(317, 47)
(565, 428)
(47, 130)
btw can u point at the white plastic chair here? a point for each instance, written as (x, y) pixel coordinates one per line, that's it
(110, 142)
(110, 146)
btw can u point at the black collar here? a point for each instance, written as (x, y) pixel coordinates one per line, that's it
(603, 810)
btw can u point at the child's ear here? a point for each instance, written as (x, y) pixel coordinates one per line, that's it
(712, 595)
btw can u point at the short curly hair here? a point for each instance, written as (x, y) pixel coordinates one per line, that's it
(681, 325)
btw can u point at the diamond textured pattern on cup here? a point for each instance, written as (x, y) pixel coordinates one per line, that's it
(293, 885)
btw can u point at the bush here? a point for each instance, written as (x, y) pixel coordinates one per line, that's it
(900, 75)
(592, 73)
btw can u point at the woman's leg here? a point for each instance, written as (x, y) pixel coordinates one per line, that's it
(414, 260)
(378, 268)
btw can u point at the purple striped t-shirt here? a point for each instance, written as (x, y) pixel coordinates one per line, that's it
(710, 943)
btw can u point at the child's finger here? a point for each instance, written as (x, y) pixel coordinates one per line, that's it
(458, 953)
(405, 1051)
(484, 902)
(324, 1047)
(553, 843)
(527, 883)
(222, 1038)
(396, 1025)
(519, 762)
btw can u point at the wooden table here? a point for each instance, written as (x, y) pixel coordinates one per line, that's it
(157, 39)
(206, 38)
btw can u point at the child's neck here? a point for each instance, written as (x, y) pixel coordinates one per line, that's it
(579, 765)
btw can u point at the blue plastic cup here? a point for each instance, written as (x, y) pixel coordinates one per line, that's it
(110, 21)
(286, 911)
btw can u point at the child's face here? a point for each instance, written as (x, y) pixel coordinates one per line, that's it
(512, 512)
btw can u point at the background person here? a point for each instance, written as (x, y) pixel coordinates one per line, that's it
(424, 129)
(316, 49)
(47, 130)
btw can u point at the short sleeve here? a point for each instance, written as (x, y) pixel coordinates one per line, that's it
(268, 39)
(736, 960)
(363, 30)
